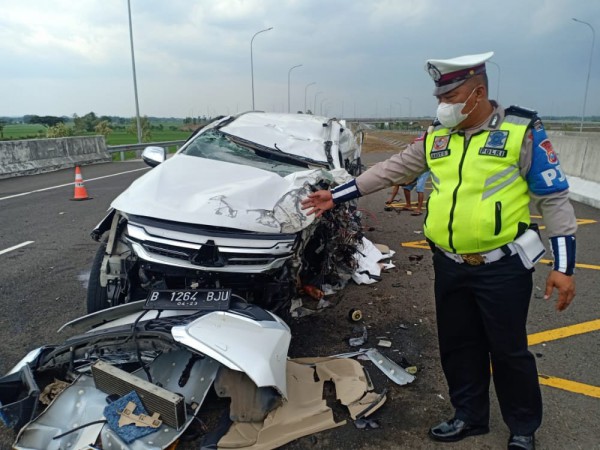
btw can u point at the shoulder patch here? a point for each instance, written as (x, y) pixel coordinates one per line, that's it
(545, 175)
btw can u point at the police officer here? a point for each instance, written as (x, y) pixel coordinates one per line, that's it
(486, 164)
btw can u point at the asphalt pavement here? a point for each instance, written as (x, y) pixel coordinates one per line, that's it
(43, 282)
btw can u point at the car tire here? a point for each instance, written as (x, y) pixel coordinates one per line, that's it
(97, 297)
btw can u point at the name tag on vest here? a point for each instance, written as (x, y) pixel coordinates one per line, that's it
(488, 151)
(439, 154)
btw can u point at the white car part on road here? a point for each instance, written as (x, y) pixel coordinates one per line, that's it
(258, 348)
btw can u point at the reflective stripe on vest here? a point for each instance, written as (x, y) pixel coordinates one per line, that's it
(479, 200)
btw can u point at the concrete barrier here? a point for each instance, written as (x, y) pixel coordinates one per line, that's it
(27, 157)
(579, 155)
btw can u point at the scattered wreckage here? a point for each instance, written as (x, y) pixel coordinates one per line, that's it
(146, 378)
(223, 215)
(200, 262)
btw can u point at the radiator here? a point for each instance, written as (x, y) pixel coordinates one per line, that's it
(112, 380)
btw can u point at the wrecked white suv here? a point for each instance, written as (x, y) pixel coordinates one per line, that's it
(221, 218)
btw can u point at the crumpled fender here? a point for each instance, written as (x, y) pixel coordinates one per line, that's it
(258, 348)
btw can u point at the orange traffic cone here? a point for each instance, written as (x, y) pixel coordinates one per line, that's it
(80, 191)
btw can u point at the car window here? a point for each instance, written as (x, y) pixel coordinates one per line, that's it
(213, 144)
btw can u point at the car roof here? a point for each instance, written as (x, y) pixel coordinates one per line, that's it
(302, 135)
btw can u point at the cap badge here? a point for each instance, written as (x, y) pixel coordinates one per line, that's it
(434, 72)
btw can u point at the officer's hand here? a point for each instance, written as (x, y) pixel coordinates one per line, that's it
(565, 285)
(318, 202)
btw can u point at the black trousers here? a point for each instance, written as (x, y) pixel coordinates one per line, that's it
(481, 317)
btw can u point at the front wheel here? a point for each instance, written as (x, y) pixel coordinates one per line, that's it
(101, 297)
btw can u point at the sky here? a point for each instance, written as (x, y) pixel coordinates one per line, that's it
(366, 58)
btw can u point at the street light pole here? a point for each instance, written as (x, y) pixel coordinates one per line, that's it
(399, 108)
(135, 92)
(499, 74)
(409, 106)
(315, 102)
(305, 90)
(321, 109)
(587, 83)
(289, 72)
(252, 61)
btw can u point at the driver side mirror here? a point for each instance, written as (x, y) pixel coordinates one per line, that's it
(153, 156)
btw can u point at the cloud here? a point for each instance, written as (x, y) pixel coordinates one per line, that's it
(196, 55)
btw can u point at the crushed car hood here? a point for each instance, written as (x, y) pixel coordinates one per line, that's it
(201, 191)
(295, 134)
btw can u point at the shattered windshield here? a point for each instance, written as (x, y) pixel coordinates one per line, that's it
(216, 145)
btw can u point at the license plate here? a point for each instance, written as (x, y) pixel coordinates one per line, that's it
(207, 299)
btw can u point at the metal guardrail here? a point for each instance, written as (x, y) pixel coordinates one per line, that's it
(139, 147)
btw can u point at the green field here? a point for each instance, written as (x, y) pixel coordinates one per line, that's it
(122, 137)
(117, 137)
(24, 131)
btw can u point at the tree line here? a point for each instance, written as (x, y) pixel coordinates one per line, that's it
(89, 123)
(64, 126)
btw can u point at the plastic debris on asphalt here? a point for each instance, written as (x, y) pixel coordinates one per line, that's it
(358, 341)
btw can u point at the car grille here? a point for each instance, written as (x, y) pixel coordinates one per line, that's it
(238, 259)
(167, 250)
(232, 251)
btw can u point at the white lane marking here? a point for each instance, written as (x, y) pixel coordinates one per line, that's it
(10, 249)
(70, 184)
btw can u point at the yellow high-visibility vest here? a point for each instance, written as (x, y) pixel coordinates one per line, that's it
(479, 201)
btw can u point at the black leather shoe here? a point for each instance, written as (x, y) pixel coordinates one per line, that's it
(516, 442)
(454, 430)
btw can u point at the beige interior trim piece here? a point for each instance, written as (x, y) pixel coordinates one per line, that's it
(348, 376)
(306, 412)
(249, 403)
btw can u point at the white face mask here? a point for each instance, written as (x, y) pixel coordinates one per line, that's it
(450, 115)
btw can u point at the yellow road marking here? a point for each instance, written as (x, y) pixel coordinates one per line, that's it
(587, 266)
(585, 221)
(579, 222)
(559, 333)
(416, 244)
(570, 386)
(578, 265)
(423, 244)
(400, 205)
